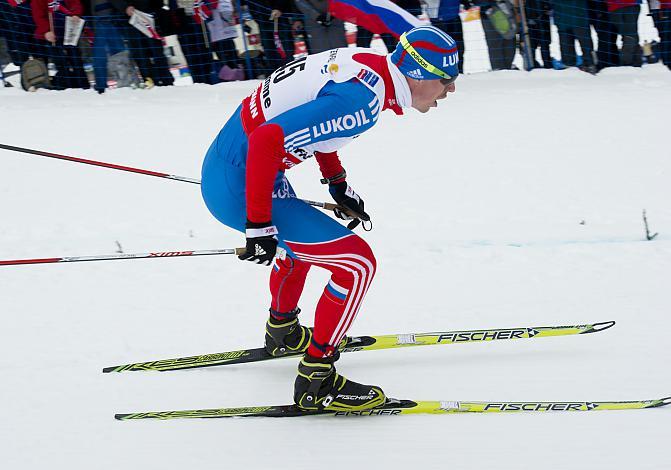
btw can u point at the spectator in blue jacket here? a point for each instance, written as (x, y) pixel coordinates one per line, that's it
(572, 20)
(107, 37)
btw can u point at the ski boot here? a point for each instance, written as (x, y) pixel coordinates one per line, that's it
(286, 336)
(319, 387)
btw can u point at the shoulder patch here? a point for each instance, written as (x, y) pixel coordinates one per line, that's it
(368, 77)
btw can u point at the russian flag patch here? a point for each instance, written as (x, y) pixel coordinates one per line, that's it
(368, 77)
(335, 292)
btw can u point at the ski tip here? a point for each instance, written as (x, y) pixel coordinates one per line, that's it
(120, 416)
(107, 370)
(604, 325)
(665, 401)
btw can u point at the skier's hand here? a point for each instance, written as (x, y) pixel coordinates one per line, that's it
(50, 36)
(346, 197)
(261, 243)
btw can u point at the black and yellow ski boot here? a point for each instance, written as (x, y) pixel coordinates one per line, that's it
(319, 387)
(286, 335)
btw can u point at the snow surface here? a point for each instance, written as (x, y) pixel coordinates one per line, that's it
(516, 203)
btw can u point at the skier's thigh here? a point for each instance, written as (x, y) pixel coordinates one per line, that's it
(300, 222)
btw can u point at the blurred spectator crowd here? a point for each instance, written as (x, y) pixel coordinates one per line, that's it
(61, 44)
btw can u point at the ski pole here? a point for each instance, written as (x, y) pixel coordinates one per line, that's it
(281, 253)
(329, 206)
(324, 205)
(527, 54)
(97, 163)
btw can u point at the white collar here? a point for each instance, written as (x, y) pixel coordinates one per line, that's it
(401, 87)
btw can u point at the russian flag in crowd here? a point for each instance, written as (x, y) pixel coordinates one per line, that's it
(202, 10)
(377, 16)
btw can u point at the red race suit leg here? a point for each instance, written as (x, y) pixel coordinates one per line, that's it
(352, 266)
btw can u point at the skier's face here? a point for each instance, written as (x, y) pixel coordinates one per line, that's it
(426, 93)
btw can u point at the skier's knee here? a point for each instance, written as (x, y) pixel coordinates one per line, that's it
(366, 253)
(361, 259)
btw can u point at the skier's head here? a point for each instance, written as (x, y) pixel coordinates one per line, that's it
(427, 53)
(429, 59)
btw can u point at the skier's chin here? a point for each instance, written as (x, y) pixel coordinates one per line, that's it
(425, 107)
(428, 107)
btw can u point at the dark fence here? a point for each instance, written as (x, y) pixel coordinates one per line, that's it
(47, 42)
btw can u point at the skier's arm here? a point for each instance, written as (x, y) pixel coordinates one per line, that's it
(330, 167)
(269, 142)
(264, 158)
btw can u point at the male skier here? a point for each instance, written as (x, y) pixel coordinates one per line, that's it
(312, 107)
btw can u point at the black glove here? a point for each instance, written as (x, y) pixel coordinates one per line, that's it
(324, 19)
(346, 197)
(261, 243)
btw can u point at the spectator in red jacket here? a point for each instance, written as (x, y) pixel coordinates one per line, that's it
(624, 15)
(16, 26)
(49, 17)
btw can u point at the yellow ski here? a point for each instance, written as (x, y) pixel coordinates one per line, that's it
(395, 407)
(368, 343)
